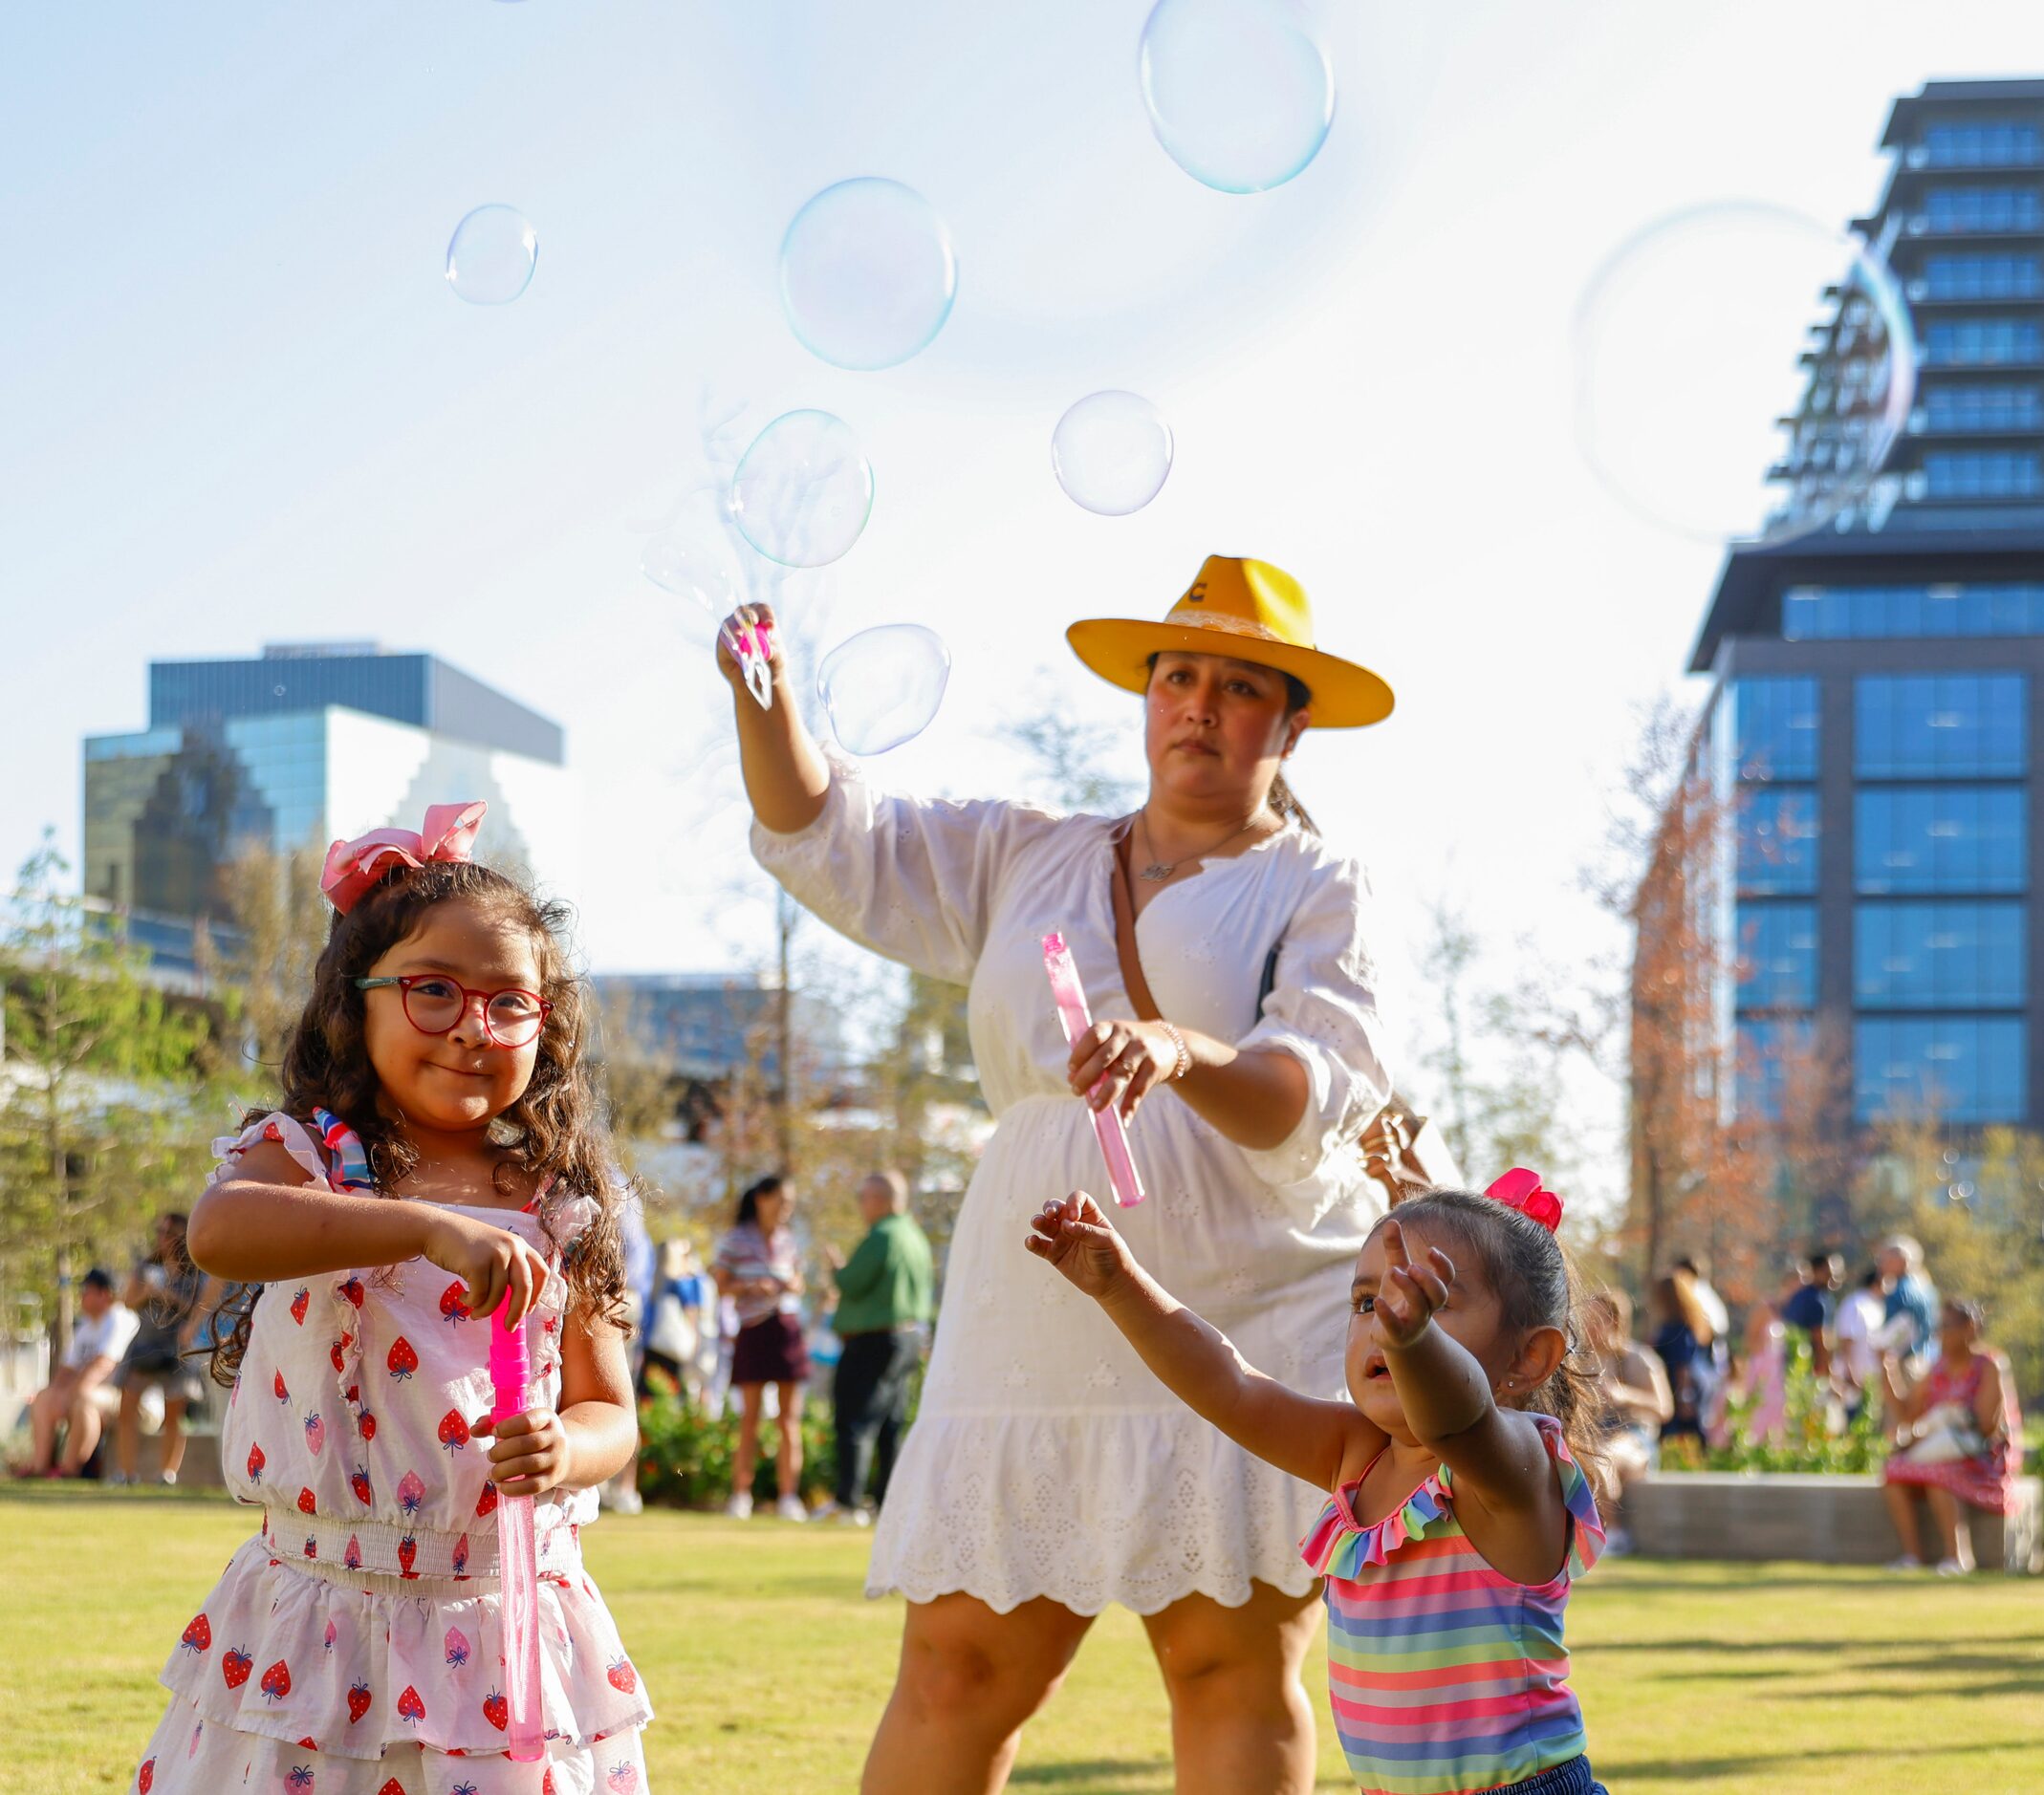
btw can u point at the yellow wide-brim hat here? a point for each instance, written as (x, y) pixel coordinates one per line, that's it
(1248, 611)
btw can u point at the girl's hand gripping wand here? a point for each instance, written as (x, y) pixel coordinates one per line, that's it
(517, 1558)
(1122, 1177)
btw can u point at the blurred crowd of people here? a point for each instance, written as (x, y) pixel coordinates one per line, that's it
(136, 1352)
(740, 1332)
(736, 1330)
(1886, 1343)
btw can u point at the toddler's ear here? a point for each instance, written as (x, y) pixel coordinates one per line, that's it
(1534, 1363)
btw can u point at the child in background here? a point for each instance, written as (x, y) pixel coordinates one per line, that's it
(1459, 1512)
(436, 1168)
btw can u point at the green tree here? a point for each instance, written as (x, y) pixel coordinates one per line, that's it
(1065, 769)
(1972, 1199)
(100, 1088)
(1494, 1057)
(279, 925)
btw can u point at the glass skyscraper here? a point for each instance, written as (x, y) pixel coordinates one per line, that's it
(1876, 681)
(297, 747)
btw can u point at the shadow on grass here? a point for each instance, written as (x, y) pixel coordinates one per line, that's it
(1876, 1654)
(1065, 1774)
(2022, 1673)
(1874, 1577)
(1690, 1768)
(90, 1492)
(798, 1587)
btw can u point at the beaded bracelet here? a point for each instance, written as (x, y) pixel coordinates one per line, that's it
(1185, 1054)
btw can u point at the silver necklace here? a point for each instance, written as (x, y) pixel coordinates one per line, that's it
(1158, 872)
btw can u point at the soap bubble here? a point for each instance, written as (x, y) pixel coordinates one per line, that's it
(492, 255)
(1742, 374)
(867, 273)
(692, 553)
(882, 686)
(1240, 93)
(1112, 452)
(803, 490)
(693, 564)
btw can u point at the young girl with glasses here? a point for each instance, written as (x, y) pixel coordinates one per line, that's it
(437, 1167)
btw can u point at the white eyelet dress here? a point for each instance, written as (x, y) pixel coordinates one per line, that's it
(355, 1645)
(1045, 1459)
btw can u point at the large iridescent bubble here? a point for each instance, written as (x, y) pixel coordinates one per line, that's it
(867, 273)
(492, 255)
(1742, 373)
(882, 686)
(1112, 452)
(803, 490)
(1240, 91)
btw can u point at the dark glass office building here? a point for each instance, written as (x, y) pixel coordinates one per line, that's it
(1877, 681)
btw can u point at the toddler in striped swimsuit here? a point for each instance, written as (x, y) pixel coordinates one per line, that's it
(1459, 1510)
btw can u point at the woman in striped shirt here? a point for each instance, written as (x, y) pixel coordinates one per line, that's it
(1459, 1510)
(758, 1265)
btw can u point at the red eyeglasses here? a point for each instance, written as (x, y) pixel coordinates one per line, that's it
(435, 1004)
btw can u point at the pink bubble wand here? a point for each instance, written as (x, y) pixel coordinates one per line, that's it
(517, 1556)
(751, 646)
(1122, 1177)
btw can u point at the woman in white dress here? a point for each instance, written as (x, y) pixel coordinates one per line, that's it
(1048, 1474)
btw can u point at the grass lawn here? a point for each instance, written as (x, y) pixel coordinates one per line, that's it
(768, 1668)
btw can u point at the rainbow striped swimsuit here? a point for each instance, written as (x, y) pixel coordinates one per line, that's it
(1444, 1677)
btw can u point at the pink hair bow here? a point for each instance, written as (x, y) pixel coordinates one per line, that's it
(1522, 1190)
(353, 867)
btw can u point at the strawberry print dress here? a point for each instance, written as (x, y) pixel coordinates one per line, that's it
(355, 1645)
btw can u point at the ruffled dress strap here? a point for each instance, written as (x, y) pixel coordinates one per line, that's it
(1341, 1544)
(564, 1216)
(1586, 1526)
(330, 1151)
(350, 1158)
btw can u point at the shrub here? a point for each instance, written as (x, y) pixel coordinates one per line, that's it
(1808, 1442)
(685, 1452)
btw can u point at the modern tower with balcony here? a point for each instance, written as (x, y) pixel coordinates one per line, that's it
(1877, 680)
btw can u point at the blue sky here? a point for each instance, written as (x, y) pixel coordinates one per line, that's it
(239, 404)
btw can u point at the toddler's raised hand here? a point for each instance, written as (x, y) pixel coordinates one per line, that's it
(1410, 1293)
(1075, 1237)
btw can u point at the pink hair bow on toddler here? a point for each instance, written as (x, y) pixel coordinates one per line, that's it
(1522, 1190)
(353, 867)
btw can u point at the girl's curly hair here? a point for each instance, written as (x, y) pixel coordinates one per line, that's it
(554, 1133)
(1538, 1285)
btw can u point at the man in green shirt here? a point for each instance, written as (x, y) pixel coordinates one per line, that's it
(883, 1299)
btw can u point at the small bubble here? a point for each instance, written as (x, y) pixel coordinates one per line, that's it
(492, 255)
(867, 273)
(1111, 453)
(884, 687)
(1240, 94)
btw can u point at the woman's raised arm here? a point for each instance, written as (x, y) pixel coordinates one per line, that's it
(786, 776)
